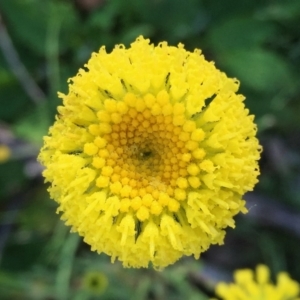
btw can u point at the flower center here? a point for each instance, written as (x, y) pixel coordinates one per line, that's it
(147, 156)
(146, 151)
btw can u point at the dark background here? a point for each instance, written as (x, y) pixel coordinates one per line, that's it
(43, 43)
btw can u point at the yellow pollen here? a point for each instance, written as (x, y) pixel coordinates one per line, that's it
(98, 162)
(149, 100)
(198, 153)
(116, 187)
(125, 204)
(147, 200)
(186, 157)
(103, 116)
(143, 213)
(125, 191)
(207, 166)
(130, 100)
(100, 142)
(136, 203)
(173, 205)
(178, 120)
(155, 208)
(110, 162)
(184, 136)
(193, 169)
(182, 183)
(167, 109)
(132, 113)
(105, 128)
(194, 182)
(198, 135)
(110, 105)
(115, 177)
(107, 171)
(125, 181)
(116, 118)
(94, 129)
(179, 194)
(102, 181)
(189, 126)
(122, 108)
(191, 145)
(156, 109)
(178, 109)
(163, 199)
(90, 149)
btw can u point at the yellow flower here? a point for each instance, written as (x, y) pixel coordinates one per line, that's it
(260, 288)
(95, 282)
(5, 153)
(151, 153)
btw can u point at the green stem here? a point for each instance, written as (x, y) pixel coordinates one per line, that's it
(65, 263)
(52, 50)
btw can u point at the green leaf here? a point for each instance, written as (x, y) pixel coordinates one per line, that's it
(13, 100)
(282, 11)
(218, 10)
(240, 33)
(12, 178)
(35, 125)
(259, 69)
(175, 18)
(28, 21)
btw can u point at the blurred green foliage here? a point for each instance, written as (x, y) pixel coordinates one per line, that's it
(256, 41)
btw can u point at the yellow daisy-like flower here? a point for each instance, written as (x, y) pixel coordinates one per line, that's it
(260, 288)
(95, 282)
(151, 153)
(5, 153)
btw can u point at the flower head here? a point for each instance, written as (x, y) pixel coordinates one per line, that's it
(95, 282)
(5, 153)
(151, 153)
(246, 287)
